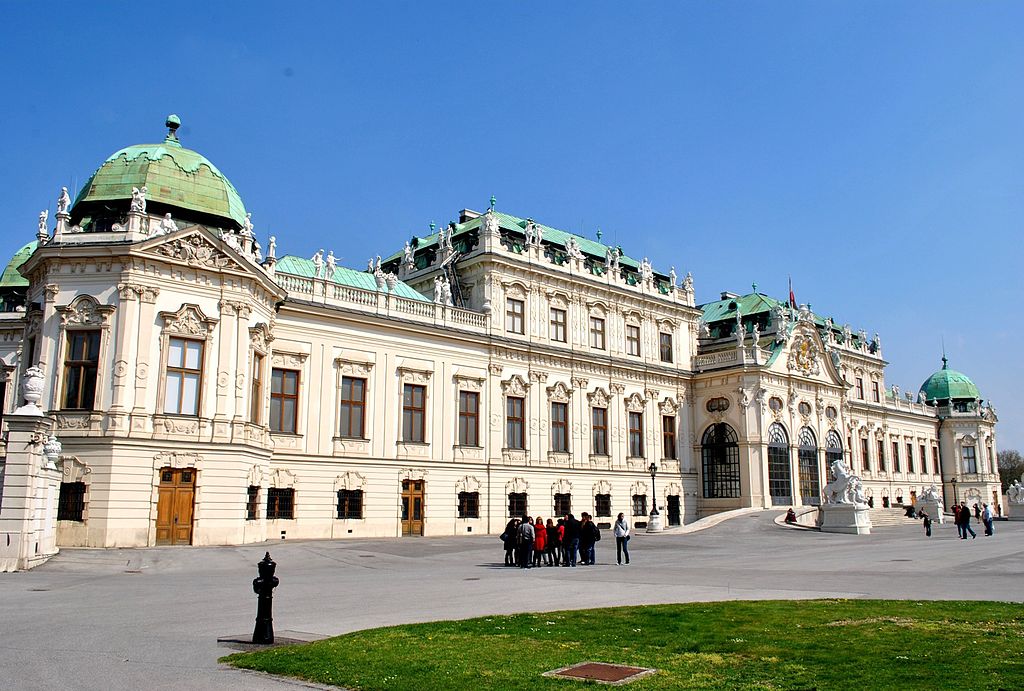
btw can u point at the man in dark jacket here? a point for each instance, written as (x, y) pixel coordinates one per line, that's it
(587, 540)
(526, 536)
(571, 541)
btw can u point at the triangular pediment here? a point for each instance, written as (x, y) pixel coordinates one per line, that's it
(196, 246)
(804, 354)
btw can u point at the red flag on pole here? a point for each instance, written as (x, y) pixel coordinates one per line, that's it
(792, 297)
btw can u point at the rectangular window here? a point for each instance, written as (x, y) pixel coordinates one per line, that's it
(639, 504)
(632, 340)
(71, 501)
(350, 504)
(252, 503)
(281, 503)
(517, 504)
(874, 392)
(599, 431)
(668, 437)
(515, 422)
(602, 505)
(560, 427)
(558, 321)
(935, 460)
(284, 400)
(597, 333)
(514, 313)
(865, 459)
(414, 413)
(469, 418)
(636, 434)
(256, 393)
(469, 505)
(910, 458)
(80, 367)
(881, 456)
(184, 376)
(665, 342)
(860, 388)
(353, 408)
(970, 460)
(563, 504)
(895, 457)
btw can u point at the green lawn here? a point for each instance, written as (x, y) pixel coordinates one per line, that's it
(824, 644)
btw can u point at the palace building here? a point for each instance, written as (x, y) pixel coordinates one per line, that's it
(209, 390)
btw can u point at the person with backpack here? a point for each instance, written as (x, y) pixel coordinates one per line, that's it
(621, 530)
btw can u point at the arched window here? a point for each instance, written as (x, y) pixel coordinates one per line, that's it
(721, 462)
(810, 478)
(833, 448)
(780, 485)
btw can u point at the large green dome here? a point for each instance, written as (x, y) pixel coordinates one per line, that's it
(948, 384)
(179, 181)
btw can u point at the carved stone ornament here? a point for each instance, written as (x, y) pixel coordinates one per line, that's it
(352, 368)
(413, 376)
(635, 403)
(516, 485)
(350, 481)
(515, 386)
(72, 469)
(804, 356)
(282, 359)
(602, 487)
(85, 311)
(668, 406)
(598, 398)
(467, 484)
(467, 383)
(189, 320)
(194, 250)
(495, 369)
(579, 382)
(559, 393)
(638, 488)
(260, 337)
(516, 291)
(174, 459)
(282, 478)
(563, 486)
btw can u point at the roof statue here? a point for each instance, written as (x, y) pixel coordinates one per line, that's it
(437, 289)
(609, 259)
(572, 248)
(672, 279)
(257, 251)
(272, 247)
(491, 225)
(231, 240)
(332, 264)
(704, 329)
(391, 280)
(688, 283)
(369, 265)
(529, 233)
(139, 200)
(167, 225)
(646, 270)
(43, 232)
(318, 263)
(410, 260)
(757, 334)
(1015, 492)
(63, 201)
(246, 231)
(847, 335)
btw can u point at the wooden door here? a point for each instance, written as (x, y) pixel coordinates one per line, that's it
(413, 495)
(174, 506)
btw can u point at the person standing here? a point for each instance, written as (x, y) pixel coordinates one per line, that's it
(571, 539)
(621, 530)
(563, 544)
(964, 516)
(526, 536)
(540, 541)
(927, 523)
(511, 537)
(986, 517)
(586, 539)
(553, 543)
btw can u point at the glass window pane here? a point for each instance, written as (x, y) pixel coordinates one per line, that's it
(190, 394)
(176, 353)
(276, 381)
(357, 422)
(288, 418)
(172, 401)
(193, 350)
(275, 414)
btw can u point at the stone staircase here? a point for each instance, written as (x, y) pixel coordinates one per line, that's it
(895, 516)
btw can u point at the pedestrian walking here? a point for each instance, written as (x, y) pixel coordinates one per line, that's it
(987, 518)
(964, 516)
(621, 530)
(927, 523)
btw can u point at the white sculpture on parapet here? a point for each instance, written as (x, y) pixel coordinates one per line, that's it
(318, 263)
(572, 248)
(646, 270)
(43, 234)
(332, 264)
(410, 259)
(63, 201)
(272, 248)
(167, 225)
(32, 384)
(672, 279)
(139, 200)
(845, 509)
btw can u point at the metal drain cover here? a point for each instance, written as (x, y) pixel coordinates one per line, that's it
(601, 672)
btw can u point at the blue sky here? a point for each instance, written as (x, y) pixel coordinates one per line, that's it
(872, 150)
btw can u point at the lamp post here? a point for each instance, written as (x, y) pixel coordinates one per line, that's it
(955, 501)
(654, 521)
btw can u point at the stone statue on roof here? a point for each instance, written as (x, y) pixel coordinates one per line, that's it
(672, 279)
(646, 270)
(878, 342)
(410, 260)
(688, 283)
(139, 200)
(446, 292)
(863, 336)
(757, 334)
(257, 251)
(272, 248)
(246, 231)
(391, 280)
(491, 225)
(529, 233)
(63, 201)
(572, 248)
(847, 335)
(318, 263)
(43, 215)
(332, 264)
(703, 329)
(437, 289)
(167, 225)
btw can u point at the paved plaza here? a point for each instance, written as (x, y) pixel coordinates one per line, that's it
(150, 618)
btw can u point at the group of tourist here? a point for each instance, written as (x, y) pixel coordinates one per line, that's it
(533, 542)
(962, 519)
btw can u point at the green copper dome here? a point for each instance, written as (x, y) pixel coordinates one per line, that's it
(948, 384)
(10, 277)
(178, 181)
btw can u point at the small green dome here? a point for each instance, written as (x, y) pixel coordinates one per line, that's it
(10, 277)
(179, 181)
(948, 384)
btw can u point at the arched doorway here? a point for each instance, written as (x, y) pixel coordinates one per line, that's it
(807, 456)
(780, 477)
(720, 456)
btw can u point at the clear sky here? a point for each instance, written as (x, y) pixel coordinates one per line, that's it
(872, 150)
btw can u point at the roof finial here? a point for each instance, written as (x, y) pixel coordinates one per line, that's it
(599, 235)
(945, 361)
(493, 201)
(754, 286)
(433, 227)
(173, 122)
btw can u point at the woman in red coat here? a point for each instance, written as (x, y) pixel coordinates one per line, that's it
(539, 542)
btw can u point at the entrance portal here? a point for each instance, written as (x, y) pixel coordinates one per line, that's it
(174, 506)
(673, 510)
(413, 494)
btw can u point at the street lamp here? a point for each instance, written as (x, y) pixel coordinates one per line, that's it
(955, 502)
(654, 521)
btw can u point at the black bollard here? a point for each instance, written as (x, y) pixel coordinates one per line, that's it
(264, 588)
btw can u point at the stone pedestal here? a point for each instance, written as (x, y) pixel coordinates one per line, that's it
(31, 487)
(844, 518)
(932, 508)
(654, 524)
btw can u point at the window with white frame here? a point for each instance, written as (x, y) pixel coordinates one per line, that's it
(183, 381)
